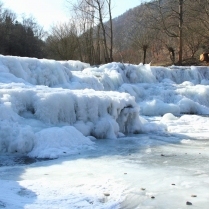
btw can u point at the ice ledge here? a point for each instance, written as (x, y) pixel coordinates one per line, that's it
(93, 113)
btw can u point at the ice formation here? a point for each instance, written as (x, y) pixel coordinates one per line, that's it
(71, 97)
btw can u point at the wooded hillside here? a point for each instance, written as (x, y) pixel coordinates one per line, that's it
(164, 32)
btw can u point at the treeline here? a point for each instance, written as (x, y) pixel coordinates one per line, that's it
(164, 32)
(88, 36)
(20, 38)
(157, 31)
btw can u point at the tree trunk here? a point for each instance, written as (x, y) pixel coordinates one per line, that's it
(145, 47)
(111, 31)
(180, 31)
(99, 7)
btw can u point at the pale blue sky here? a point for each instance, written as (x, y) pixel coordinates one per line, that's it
(48, 12)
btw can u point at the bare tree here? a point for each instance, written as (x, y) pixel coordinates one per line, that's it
(199, 28)
(63, 42)
(142, 36)
(142, 41)
(111, 29)
(193, 40)
(99, 33)
(200, 13)
(30, 22)
(180, 13)
(167, 17)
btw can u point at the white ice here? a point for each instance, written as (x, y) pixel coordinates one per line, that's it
(172, 167)
(114, 129)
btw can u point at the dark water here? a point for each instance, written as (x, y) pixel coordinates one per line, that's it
(10, 160)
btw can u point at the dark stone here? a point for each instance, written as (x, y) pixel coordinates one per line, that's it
(204, 57)
(188, 203)
(193, 195)
(106, 194)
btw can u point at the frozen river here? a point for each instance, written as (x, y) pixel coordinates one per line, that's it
(157, 170)
(79, 116)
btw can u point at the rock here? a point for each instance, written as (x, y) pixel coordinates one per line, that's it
(152, 197)
(188, 203)
(193, 195)
(142, 188)
(204, 57)
(106, 194)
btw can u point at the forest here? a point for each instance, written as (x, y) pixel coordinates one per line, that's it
(160, 32)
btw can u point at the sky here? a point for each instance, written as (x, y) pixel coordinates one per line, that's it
(47, 12)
